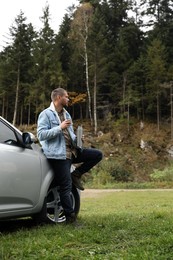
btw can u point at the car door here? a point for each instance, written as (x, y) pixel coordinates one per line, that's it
(20, 173)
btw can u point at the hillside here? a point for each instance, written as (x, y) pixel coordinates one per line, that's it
(135, 153)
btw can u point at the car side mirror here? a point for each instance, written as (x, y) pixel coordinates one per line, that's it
(28, 138)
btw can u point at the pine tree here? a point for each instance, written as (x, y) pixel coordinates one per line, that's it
(19, 57)
(156, 74)
(45, 58)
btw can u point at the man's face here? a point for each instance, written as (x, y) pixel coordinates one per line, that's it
(64, 99)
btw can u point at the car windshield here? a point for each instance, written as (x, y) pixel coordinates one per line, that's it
(6, 133)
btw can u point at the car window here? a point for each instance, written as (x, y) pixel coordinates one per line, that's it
(6, 134)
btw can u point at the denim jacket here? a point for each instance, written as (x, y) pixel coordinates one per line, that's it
(50, 134)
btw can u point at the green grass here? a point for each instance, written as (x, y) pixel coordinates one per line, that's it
(111, 225)
(130, 185)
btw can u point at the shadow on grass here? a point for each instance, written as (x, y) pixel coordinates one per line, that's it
(14, 225)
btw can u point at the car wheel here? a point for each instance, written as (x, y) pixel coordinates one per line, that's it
(52, 211)
(54, 208)
(76, 199)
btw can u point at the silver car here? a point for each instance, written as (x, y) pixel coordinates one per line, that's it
(26, 180)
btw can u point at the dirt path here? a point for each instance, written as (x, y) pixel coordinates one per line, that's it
(89, 193)
(92, 193)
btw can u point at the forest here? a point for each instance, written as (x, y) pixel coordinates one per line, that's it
(114, 57)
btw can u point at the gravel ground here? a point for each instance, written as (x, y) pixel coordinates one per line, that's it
(92, 193)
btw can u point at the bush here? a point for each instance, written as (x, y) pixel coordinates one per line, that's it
(162, 175)
(121, 175)
(109, 171)
(101, 178)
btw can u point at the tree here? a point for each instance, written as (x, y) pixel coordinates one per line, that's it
(81, 25)
(63, 48)
(156, 74)
(97, 46)
(137, 82)
(19, 57)
(100, 50)
(6, 83)
(47, 64)
(162, 13)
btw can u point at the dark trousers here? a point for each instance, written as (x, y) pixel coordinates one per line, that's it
(88, 157)
(61, 168)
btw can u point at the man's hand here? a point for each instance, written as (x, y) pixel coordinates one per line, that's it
(66, 123)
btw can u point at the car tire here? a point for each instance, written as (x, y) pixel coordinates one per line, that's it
(76, 197)
(52, 210)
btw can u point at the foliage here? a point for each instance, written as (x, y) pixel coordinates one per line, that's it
(125, 160)
(162, 175)
(102, 49)
(76, 98)
(121, 174)
(48, 72)
(16, 63)
(109, 171)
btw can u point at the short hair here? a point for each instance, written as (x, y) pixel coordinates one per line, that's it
(57, 92)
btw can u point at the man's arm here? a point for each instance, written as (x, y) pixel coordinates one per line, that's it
(46, 128)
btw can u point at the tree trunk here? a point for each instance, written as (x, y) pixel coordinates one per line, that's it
(124, 91)
(21, 115)
(128, 116)
(87, 82)
(158, 113)
(171, 95)
(6, 112)
(3, 105)
(29, 113)
(95, 101)
(17, 97)
(81, 114)
(143, 110)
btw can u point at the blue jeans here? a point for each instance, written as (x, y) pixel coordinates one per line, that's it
(88, 157)
(62, 174)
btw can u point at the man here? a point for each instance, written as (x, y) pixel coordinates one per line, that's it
(56, 135)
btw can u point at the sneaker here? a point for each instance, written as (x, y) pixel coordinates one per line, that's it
(71, 218)
(76, 179)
